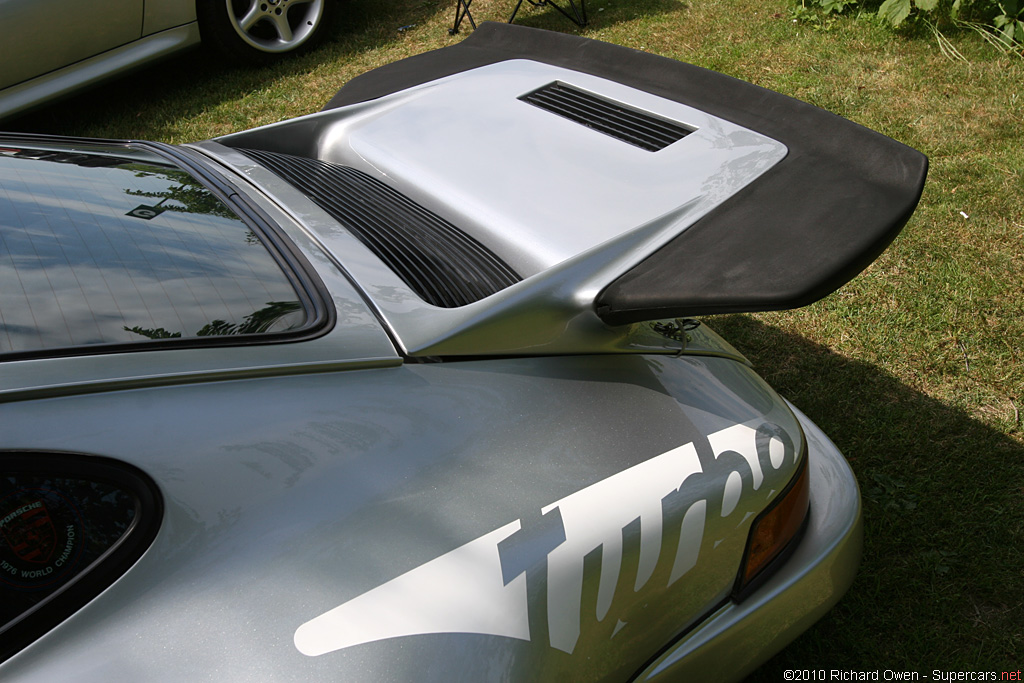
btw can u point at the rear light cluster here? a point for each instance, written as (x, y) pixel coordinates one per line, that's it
(774, 532)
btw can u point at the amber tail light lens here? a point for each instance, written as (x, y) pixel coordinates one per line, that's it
(774, 531)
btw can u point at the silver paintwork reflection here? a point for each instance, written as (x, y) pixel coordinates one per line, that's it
(535, 187)
(478, 589)
(347, 252)
(812, 580)
(623, 203)
(551, 312)
(44, 35)
(289, 495)
(531, 317)
(541, 188)
(117, 60)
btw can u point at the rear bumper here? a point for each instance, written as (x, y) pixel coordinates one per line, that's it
(737, 638)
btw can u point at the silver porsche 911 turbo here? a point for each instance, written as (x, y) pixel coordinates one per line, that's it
(411, 389)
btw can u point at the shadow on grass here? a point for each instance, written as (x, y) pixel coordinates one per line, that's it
(941, 585)
(600, 13)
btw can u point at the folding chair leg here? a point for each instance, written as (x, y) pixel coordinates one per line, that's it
(515, 11)
(462, 12)
(578, 16)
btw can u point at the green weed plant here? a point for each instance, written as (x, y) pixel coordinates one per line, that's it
(1000, 22)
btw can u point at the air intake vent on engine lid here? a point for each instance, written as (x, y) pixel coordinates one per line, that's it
(611, 118)
(443, 265)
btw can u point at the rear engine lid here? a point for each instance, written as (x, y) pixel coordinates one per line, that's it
(617, 187)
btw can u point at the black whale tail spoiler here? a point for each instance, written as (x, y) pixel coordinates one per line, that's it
(616, 186)
(802, 230)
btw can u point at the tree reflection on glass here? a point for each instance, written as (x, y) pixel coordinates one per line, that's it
(189, 196)
(115, 246)
(255, 323)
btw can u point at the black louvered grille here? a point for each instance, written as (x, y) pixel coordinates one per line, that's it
(442, 264)
(629, 125)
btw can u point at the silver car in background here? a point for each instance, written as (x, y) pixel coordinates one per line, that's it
(341, 399)
(55, 47)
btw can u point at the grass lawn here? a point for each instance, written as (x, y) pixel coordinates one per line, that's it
(914, 368)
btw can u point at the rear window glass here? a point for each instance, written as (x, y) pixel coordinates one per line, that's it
(115, 246)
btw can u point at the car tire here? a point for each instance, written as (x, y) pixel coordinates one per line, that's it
(260, 31)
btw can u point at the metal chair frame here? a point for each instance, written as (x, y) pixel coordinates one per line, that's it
(578, 14)
(461, 12)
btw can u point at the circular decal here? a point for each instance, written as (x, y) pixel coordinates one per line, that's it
(41, 538)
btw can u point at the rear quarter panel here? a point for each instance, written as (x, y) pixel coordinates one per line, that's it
(493, 520)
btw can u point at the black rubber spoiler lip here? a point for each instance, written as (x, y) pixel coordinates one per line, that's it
(796, 234)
